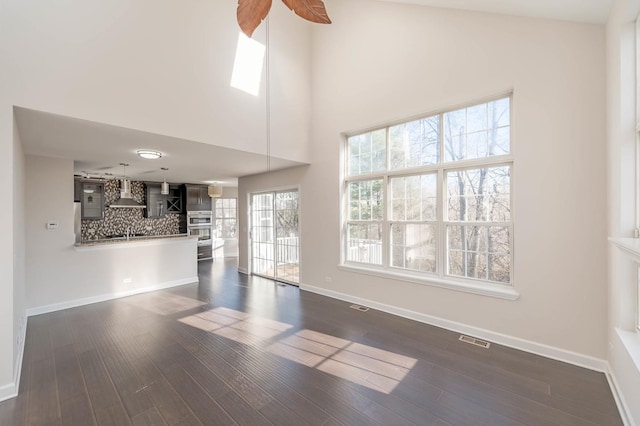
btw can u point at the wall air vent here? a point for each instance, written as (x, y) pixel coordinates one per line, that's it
(474, 341)
(359, 308)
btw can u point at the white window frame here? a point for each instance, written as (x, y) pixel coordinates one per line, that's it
(216, 218)
(636, 230)
(440, 278)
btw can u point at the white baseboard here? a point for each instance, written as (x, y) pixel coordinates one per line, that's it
(109, 296)
(501, 339)
(243, 271)
(619, 398)
(10, 390)
(17, 371)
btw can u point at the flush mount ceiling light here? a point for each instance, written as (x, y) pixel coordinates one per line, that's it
(149, 154)
(252, 12)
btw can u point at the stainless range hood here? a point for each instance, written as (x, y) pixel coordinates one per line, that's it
(126, 200)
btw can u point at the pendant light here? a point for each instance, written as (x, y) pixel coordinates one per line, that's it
(214, 191)
(164, 188)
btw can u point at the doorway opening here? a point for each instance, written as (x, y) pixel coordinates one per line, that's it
(275, 236)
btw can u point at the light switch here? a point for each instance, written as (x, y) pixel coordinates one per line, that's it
(52, 225)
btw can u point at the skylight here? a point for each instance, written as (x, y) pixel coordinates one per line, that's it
(247, 67)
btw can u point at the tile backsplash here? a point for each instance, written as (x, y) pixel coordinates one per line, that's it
(117, 220)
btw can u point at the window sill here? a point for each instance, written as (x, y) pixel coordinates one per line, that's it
(483, 289)
(630, 246)
(631, 342)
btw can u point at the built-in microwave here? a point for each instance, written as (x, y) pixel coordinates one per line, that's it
(203, 218)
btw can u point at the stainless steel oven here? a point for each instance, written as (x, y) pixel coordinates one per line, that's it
(200, 224)
(204, 234)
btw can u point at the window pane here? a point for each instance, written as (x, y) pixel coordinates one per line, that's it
(481, 252)
(287, 216)
(414, 198)
(225, 215)
(413, 246)
(226, 228)
(365, 200)
(479, 195)
(364, 243)
(367, 152)
(478, 131)
(415, 144)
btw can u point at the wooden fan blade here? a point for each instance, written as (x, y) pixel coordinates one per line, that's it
(251, 13)
(311, 10)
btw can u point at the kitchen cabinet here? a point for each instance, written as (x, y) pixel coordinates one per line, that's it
(197, 198)
(77, 190)
(158, 204)
(155, 200)
(92, 199)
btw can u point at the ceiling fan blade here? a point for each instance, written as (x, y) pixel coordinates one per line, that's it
(251, 13)
(311, 10)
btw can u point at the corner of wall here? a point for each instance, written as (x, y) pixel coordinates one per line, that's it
(11, 390)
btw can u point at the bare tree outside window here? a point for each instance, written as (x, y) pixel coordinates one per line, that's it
(226, 217)
(450, 214)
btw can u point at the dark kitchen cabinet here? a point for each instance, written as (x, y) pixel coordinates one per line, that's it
(159, 204)
(92, 199)
(77, 190)
(197, 198)
(205, 252)
(155, 200)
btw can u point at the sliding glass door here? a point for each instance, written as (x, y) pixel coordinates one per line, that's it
(275, 242)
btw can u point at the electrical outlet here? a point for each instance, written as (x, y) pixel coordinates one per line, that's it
(127, 280)
(328, 279)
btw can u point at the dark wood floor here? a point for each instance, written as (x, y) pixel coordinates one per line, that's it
(242, 350)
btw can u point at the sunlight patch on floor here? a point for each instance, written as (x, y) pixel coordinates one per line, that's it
(374, 368)
(236, 325)
(365, 365)
(163, 303)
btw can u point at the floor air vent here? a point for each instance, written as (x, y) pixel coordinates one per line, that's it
(359, 308)
(474, 341)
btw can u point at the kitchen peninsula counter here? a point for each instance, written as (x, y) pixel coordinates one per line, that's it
(100, 270)
(138, 241)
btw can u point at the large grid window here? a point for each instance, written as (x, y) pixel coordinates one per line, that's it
(432, 197)
(226, 217)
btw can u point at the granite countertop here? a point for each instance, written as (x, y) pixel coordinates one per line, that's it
(120, 240)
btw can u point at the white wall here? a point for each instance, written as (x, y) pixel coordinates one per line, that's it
(387, 61)
(19, 271)
(9, 264)
(57, 273)
(621, 122)
(162, 67)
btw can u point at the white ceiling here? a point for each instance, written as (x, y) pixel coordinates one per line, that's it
(98, 149)
(593, 11)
